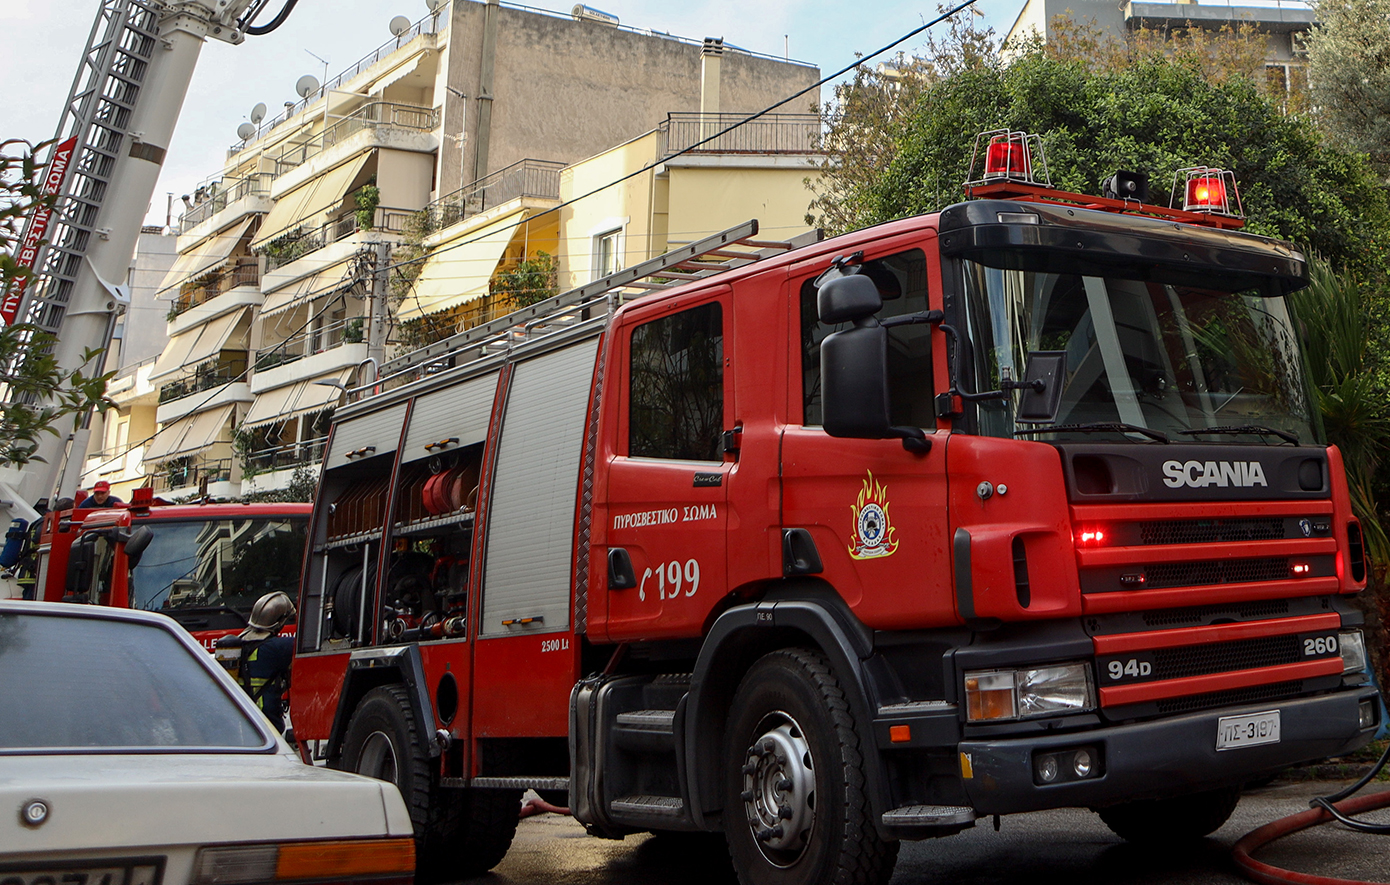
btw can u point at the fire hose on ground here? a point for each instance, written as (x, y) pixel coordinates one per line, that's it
(1339, 807)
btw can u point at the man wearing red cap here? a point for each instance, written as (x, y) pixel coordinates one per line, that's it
(101, 497)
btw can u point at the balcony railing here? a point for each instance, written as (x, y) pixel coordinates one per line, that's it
(373, 115)
(181, 473)
(527, 178)
(310, 342)
(304, 239)
(282, 457)
(213, 197)
(773, 134)
(205, 376)
(245, 272)
(427, 25)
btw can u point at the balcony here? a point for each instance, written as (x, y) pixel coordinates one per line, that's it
(775, 134)
(285, 457)
(242, 272)
(377, 116)
(1273, 16)
(307, 239)
(215, 196)
(539, 179)
(192, 475)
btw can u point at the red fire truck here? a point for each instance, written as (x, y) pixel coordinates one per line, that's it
(1017, 505)
(204, 565)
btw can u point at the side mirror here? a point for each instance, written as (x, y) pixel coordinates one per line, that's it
(848, 299)
(135, 544)
(854, 385)
(79, 575)
(1042, 386)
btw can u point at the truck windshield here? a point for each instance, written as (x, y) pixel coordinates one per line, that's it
(218, 563)
(1157, 353)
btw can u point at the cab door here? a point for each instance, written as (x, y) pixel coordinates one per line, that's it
(668, 472)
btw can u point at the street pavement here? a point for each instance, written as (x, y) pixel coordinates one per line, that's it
(1070, 846)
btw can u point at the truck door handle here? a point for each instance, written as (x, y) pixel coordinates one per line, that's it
(620, 573)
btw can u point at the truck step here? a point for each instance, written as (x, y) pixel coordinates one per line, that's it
(648, 720)
(929, 816)
(508, 783)
(648, 806)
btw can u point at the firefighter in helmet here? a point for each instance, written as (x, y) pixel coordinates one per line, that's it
(264, 669)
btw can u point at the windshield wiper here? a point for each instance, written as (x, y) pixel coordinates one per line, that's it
(1256, 429)
(1098, 427)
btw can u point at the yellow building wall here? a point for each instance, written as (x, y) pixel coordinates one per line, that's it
(706, 200)
(628, 205)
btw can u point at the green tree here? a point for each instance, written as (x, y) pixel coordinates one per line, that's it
(1349, 65)
(533, 280)
(36, 394)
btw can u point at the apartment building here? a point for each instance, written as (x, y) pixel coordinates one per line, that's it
(476, 107)
(1284, 24)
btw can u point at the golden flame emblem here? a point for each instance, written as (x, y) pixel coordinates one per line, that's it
(873, 533)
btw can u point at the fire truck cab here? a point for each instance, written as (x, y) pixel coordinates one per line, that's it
(1013, 506)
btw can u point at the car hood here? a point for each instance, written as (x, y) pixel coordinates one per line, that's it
(130, 801)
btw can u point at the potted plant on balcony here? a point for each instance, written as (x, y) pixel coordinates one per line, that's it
(368, 198)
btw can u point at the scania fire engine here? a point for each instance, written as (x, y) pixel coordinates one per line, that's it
(1018, 505)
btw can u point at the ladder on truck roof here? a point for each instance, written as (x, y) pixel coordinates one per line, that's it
(694, 261)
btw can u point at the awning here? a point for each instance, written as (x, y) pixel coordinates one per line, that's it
(301, 398)
(204, 256)
(189, 434)
(196, 345)
(456, 274)
(396, 73)
(308, 200)
(305, 289)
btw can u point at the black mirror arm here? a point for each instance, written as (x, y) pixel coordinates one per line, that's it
(955, 390)
(921, 317)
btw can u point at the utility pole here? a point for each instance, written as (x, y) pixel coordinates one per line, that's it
(377, 304)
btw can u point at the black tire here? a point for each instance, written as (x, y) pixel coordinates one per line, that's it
(822, 830)
(1181, 819)
(457, 832)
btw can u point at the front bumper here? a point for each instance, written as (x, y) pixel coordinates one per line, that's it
(1159, 758)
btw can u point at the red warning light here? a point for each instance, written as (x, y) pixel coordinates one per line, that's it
(1205, 193)
(1091, 536)
(1007, 157)
(1208, 190)
(1301, 569)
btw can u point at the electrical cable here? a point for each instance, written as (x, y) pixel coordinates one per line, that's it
(258, 30)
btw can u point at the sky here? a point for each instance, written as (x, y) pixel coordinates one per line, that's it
(45, 38)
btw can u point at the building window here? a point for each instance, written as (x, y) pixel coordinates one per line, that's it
(676, 393)
(608, 253)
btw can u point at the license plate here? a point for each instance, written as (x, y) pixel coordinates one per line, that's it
(144, 871)
(1234, 732)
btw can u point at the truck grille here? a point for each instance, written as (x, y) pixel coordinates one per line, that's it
(1204, 531)
(1219, 571)
(1246, 654)
(1203, 614)
(1274, 691)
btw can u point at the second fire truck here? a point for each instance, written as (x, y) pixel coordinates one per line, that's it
(1018, 505)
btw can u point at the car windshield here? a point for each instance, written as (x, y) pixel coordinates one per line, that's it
(71, 683)
(1156, 353)
(218, 563)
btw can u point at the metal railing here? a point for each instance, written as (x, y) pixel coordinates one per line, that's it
(213, 197)
(526, 178)
(302, 240)
(296, 454)
(204, 376)
(772, 134)
(312, 341)
(246, 272)
(182, 473)
(430, 24)
(372, 115)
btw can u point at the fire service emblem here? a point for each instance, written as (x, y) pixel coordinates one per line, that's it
(873, 533)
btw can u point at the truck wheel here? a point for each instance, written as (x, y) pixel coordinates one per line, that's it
(1181, 819)
(382, 741)
(795, 809)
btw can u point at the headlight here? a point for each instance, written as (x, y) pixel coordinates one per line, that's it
(1021, 694)
(1353, 651)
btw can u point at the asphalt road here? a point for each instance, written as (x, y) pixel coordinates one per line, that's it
(1070, 846)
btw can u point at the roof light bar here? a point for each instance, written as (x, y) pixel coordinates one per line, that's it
(1008, 156)
(1208, 190)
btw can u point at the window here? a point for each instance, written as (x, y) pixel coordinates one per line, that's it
(608, 253)
(676, 393)
(902, 283)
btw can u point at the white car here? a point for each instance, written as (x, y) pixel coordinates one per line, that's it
(128, 757)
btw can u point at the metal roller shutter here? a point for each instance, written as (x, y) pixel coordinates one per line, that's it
(460, 411)
(379, 429)
(531, 520)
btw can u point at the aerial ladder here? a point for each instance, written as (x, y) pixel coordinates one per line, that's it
(111, 143)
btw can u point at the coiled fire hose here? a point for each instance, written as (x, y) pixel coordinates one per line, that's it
(1339, 807)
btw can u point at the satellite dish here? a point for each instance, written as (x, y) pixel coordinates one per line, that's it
(435, 5)
(306, 85)
(399, 25)
(258, 113)
(246, 131)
